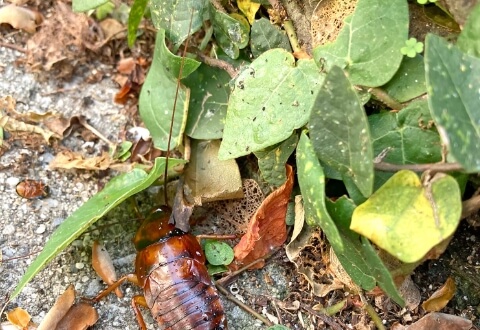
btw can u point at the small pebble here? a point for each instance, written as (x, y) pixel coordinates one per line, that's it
(79, 265)
(85, 279)
(8, 230)
(41, 229)
(12, 181)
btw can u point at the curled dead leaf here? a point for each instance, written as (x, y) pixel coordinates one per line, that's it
(19, 317)
(441, 297)
(441, 321)
(266, 229)
(79, 317)
(59, 309)
(70, 160)
(103, 265)
(20, 18)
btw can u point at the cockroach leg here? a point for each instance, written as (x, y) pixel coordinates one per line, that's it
(139, 300)
(129, 277)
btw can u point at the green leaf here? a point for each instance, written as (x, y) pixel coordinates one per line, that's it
(270, 100)
(134, 18)
(406, 218)
(408, 136)
(115, 192)
(359, 258)
(267, 36)
(218, 253)
(453, 87)
(271, 161)
(208, 102)
(158, 94)
(312, 185)
(409, 81)
(469, 39)
(85, 5)
(368, 46)
(174, 16)
(104, 10)
(340, 133)
(231, 31)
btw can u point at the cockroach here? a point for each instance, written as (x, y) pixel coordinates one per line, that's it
(32, 189)
(170, 268)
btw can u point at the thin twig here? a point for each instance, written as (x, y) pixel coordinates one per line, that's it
(325, 318)
(12, 46)
(227, 278)
(215, 62)
(434, 167)
(240, 304)
(373, 315)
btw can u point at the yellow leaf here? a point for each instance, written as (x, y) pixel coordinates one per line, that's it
(441, 297)
(248, 8)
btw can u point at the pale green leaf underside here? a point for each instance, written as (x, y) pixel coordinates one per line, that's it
(272, 97)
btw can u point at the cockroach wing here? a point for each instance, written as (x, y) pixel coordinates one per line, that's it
(177, 287)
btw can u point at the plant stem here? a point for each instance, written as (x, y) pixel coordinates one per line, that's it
(240, 304)
(383, 97)
(292, 36)
(215, 62)
(435, 167)
(470, 206)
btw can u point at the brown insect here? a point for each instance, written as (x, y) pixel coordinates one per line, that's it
(31, 189)
(170, 267)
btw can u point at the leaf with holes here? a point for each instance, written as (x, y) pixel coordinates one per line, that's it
(269, 102)
(453, 89)
(368, 46)
(174, 17)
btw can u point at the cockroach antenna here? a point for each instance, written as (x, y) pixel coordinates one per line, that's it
(180, 72)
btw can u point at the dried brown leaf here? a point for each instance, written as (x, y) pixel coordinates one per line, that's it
(12, 125)
(441, 321)
(62, 126)
(19, 317)
(103, 265)
(113, 29)
(20, 18)
(441, 297)
(267, 229)
(59, 309)
(79, 317)
(70, 160)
